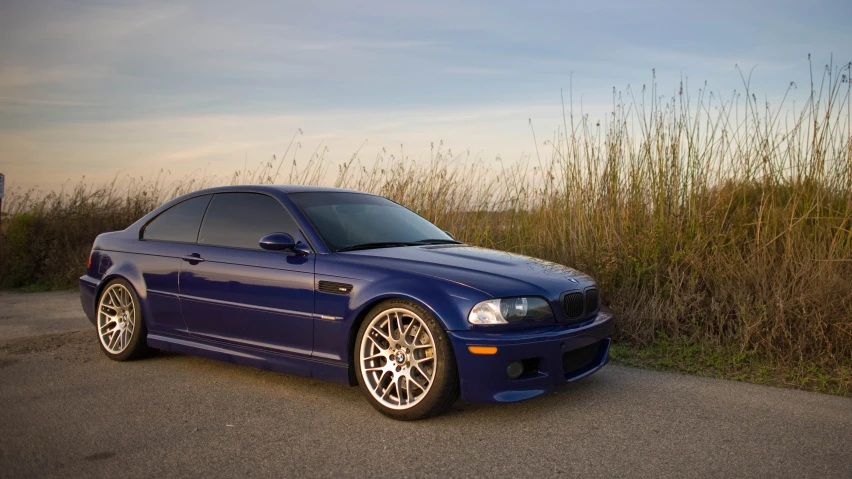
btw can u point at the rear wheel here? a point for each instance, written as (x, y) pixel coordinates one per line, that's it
(121, 331)
(405, 364)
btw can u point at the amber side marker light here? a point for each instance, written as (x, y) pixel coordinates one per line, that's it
(482, 349)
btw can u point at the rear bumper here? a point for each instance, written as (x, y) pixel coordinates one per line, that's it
(88, 285)
(551, 357)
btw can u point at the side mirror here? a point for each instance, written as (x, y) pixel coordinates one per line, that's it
(301, 249)
(282, 242)
(449, 234)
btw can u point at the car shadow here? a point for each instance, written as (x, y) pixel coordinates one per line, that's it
(580, 394)
(576, 395)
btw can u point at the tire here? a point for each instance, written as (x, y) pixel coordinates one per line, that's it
(405, 373)
(119, 326)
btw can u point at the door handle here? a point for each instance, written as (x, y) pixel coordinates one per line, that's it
(193, 258)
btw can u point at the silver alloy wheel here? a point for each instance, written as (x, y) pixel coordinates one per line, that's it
(398, 360)
(116, 318)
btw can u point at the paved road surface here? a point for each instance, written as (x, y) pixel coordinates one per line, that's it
(68, 411)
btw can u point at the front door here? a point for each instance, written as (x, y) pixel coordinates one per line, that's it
(233, 291)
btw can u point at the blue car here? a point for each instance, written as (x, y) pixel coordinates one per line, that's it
(347, 287)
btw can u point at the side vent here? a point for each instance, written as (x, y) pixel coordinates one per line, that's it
(334, 288)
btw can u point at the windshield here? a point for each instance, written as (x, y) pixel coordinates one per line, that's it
(360, 221)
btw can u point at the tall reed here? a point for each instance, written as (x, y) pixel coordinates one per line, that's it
(720, 220)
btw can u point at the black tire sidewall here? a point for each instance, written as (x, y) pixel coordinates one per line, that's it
(444, 388)
(138, 340)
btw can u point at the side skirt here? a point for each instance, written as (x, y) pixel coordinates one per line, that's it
(306, 367)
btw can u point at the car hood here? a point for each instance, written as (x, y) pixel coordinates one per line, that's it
(496, 273)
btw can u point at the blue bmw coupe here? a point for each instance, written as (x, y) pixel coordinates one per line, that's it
(343, 286)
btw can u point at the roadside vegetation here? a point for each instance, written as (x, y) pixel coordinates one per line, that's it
(719, 229)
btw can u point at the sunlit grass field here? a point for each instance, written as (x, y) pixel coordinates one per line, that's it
(719, 229)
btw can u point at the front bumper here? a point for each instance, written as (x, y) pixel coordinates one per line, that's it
(543, 351)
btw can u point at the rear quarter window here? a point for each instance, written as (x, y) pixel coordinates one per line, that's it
(178, 224)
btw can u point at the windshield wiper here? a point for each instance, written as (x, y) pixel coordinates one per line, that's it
(438, 241)
(385, 244)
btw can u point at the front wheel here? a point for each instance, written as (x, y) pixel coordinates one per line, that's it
(405, 364)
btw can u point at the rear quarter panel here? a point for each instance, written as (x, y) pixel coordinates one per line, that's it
(152, 270)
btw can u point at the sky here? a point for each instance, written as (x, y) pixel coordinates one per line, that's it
(106, 88)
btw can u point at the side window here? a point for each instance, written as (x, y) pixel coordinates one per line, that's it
(179, 223)
(240, 220)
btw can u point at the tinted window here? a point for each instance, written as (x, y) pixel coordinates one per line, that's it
(179, 223)
(240, 220)
(348, 219)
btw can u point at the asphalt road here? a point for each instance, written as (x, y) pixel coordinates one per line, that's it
(68, 411)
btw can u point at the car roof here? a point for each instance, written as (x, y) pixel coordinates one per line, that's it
(314, 189)
(275, 188)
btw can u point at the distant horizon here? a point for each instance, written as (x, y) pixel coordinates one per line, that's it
(103, 90)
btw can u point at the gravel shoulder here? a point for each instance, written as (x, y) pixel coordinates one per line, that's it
(31, 314)
(68, 411)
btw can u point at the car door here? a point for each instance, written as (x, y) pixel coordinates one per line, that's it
(162, 242)
(233, 291)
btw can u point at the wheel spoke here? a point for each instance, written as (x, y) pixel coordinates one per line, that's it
(376, 343)
(416, 334)
(374, 356)
(113, 298)
(113, 339)
(388, 388)
(412, 380)
(423, 359)
(109, 306)
(420, 370)
(398, 323)
(380, 333)
(399, 380)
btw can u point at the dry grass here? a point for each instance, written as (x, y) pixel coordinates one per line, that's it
(720, 222)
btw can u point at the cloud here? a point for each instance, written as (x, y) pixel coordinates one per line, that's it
(222, 143)
(18, 101)
(22, 76)
(106, 86)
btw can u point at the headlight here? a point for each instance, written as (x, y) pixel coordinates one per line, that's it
(509, 310)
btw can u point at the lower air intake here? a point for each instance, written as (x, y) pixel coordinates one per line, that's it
(579, 359)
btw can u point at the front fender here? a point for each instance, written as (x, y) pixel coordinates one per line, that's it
(450, 303)
(334, 339)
